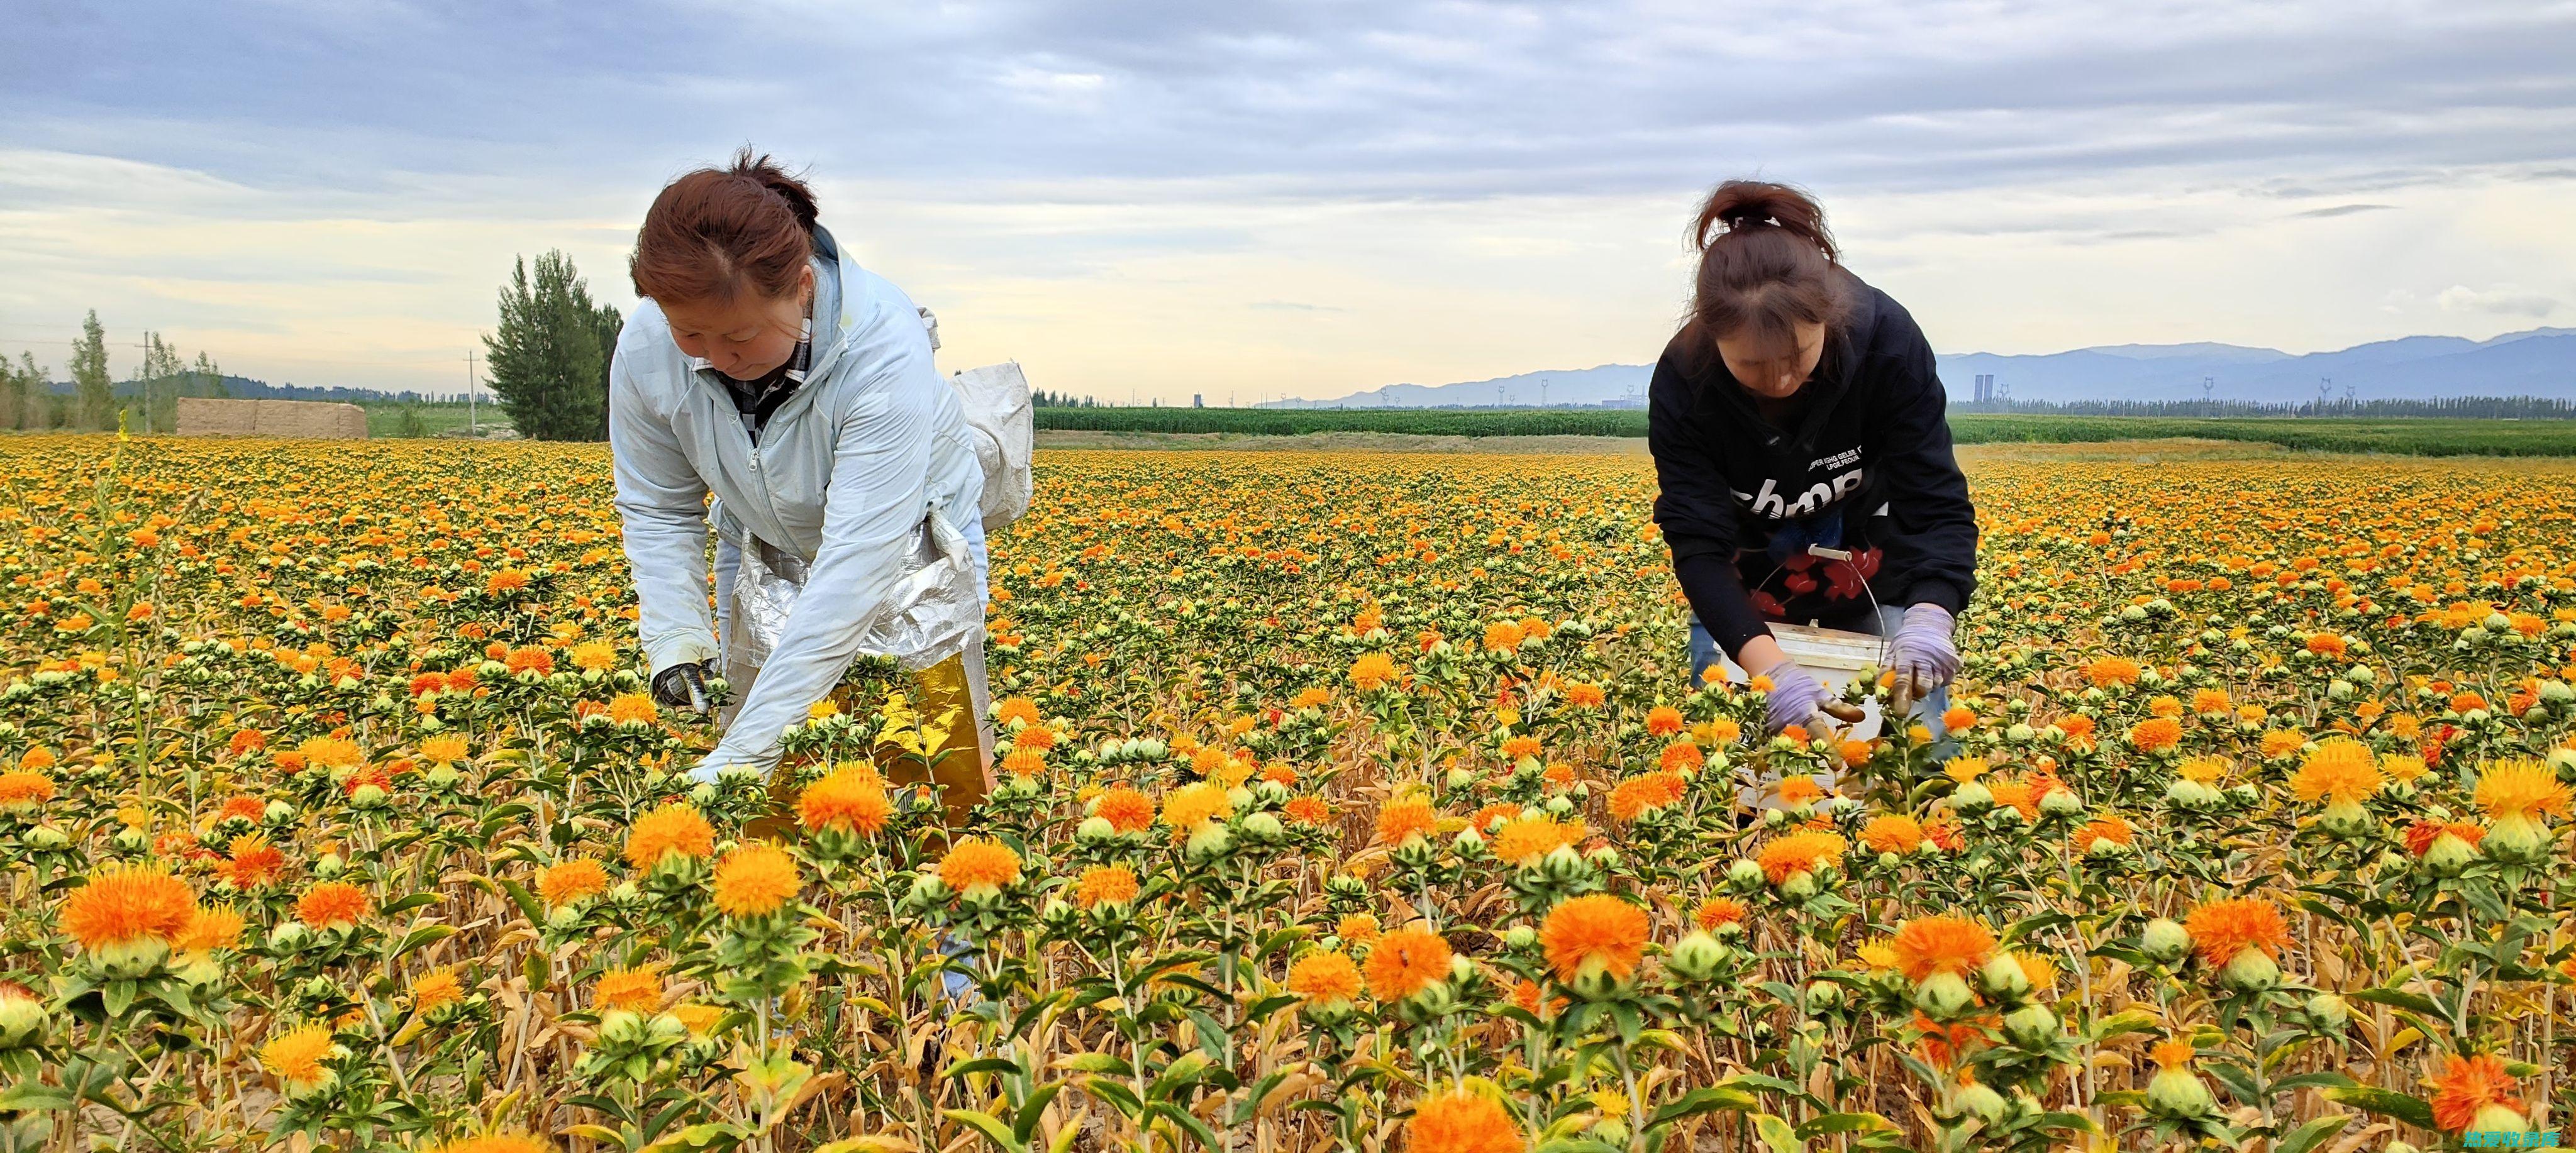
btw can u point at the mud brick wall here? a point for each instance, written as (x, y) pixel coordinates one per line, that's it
(303, 419)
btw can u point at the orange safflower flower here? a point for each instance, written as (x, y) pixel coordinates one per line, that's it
(1928, 945)
(2421, 835)
(2339, 770)
(2521, 788)
(1400, 964)
(2468, 1087)
(1663, 721)
(1325, 977)
(2156, 735)
(295, 1057)
(436, 989)
(567, 881)
(2222, 929)
(251, 861)
(2107, 672)
(125, 904)
(331, 903)
(637, 989)
(1372, 671)
(1892, 833)
(850, 797)
(1357, 928)
(1642, 794)
(1307, 810)
(1524, 840)
(1192, 805)
(979, 863)
(1596, 933)
(1716, 912)
(755, 880)
(1105, 884)
(209, 928)
(1462, 1122)
(21, 789)
(2101, 829)
(1404, 819)
(675, 828)
(1799, 852)
(1126, 810)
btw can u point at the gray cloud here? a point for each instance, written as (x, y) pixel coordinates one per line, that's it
(1301, 100)
(2342, 210)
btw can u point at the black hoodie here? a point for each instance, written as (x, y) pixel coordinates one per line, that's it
(1864, 464)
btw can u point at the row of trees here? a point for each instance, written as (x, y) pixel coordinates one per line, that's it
(2465, 407)
(151, 398)
(549, 368)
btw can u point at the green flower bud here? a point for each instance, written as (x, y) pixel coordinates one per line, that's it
(2003, 976)
(2519, 839)
(1695, 957)
(2031, 1026)
(1979, 1101)
(2253, 970)
(2165, 940)
(1943, 996)
(2178, 1093)
(2328, 1013)
(22, 1020)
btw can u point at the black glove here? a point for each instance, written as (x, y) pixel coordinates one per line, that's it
(682, 686)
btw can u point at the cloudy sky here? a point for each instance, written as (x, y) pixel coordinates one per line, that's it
(1251, 198)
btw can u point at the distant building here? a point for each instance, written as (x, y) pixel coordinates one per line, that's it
(1197, 401)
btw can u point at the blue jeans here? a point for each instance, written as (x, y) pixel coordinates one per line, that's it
(1926, 712)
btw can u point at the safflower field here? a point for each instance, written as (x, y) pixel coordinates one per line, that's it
(1353, 801)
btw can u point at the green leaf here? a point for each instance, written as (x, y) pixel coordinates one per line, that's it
(407, 904)
(526, 902)
(1033, 1110)
(1181, 1117)
(1842, 1123)
(989, 1126)
(2397, 998)
(422, 938)
(981, 1065)
(1706, 1099)
(1777, 1134)
(35, 1097)
(2062, 1121)
(2312, 1134)
(2409, 1109)
(2322, 1079)
(1116, 1093)
(1179, 1074)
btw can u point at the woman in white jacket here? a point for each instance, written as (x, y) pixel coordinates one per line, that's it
(766, 367)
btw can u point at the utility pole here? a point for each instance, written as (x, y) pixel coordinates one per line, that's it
(470, 428)
(1542, 392)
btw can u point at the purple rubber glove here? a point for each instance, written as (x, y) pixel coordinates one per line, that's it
(1795, 699)
(1921, 655)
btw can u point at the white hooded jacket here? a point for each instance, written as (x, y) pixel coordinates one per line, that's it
(843, 475)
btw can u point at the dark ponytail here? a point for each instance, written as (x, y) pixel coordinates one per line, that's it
(1766, 265)
(717, 232)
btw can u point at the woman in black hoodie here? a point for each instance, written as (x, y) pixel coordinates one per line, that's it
(1798, 433)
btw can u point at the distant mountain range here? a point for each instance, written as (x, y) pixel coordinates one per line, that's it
(2539, 362)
